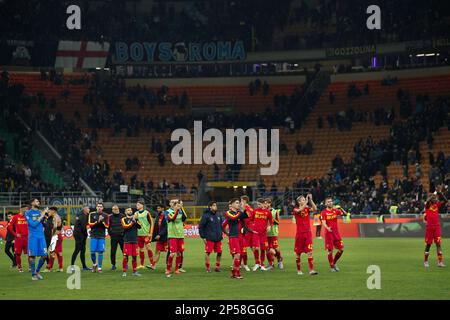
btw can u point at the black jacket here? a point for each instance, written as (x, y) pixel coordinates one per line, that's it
(98, 229)
(130, 228)
(80, 228)
(160, 227)
(210, 227)
(115, 225)
(9, 235)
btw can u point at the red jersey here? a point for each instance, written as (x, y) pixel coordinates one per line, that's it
(248, 221)
(260, 218)
(302, 219)
(432, 213)
(18, 225)
(330, 217)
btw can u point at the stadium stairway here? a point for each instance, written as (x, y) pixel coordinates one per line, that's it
(47, 173)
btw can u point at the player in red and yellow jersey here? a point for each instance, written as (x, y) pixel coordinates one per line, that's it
(248, 236)
(433, 228)
(303, 236)
(232, 218)
(262, 223)
(18, 227)
(333, 239)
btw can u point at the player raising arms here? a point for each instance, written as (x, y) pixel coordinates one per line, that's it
(144, 234)
(303, 236)
(433, 228)
(248, 236)
(159, 234)
(18, 227)
(37, 246)
(131, 225)
(262, 223)
(175, 231)
(99, 223)
(234, 220)
(333, 239)
(55, 247)
(272, 237)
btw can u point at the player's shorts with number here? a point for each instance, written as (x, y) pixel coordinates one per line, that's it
(130, 249)
(273, 242)
(215, 246)
(56, 243)
(433, 233)
(235, 245)
(97, 245)
(260, 240)
(37, 247)
(143, 240)
(303, 242)
(333, 240)
(161, 246)
(21, 245)
(176, 245)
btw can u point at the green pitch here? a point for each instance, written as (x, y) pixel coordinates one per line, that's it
(400, 260)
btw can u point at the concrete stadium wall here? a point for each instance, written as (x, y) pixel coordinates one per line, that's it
(224, 81)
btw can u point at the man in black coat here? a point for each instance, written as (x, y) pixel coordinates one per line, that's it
(159, 234)
(80, 234)
(210, 230)
(115, 232)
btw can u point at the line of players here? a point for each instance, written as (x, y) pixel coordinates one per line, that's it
(39, 234)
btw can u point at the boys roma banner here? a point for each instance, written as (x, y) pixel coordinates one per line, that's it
(149, 52)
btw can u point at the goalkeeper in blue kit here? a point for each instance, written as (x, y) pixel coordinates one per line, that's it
(37, 247)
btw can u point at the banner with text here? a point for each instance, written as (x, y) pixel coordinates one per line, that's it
(149, 52)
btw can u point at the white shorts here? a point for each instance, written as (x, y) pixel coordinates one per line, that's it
(52, 246)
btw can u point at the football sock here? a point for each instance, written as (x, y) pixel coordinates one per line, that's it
(245, 258)
(142, 257)
(18, 261)
(50, 262)
(311, 263)
(236, 265)
(440, 257)
(426, 256)
(93, 258)
(337, 256)
(150, 255)
(330, 259)
(169, 263)
(124, 263)
(256, 254)
(207, 265)
(40, 264)
(33, 267)
(278, 254)
(100, 260)
(134, 263)
(60, 261)
(178, 263)
(298, 262)
(263, 256)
